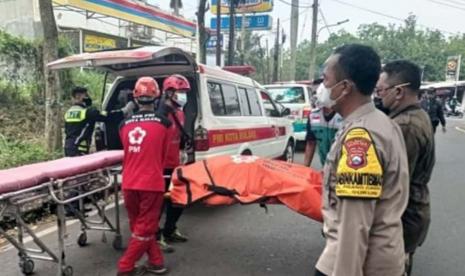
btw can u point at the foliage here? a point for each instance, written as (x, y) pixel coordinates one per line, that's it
(16, 152)
(428, 48)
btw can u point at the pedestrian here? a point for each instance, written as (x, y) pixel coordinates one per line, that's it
(322, 125)
(175, 88)
(434, 109)
(145, 137)
(365, 184)
(398, 87)
(80, 121)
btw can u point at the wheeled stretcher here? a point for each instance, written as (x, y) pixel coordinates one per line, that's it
(60, 182)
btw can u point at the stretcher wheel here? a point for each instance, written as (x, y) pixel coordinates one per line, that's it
(118, 242)
(82, 239)
(27, 266)
(67, 271)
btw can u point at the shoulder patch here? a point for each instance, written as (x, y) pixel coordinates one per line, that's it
(359, 172)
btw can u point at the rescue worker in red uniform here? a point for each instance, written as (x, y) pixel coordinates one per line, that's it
(145, 137)
(174, 89)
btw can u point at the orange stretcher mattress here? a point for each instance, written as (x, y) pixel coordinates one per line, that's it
(227, 180)
(23, 177)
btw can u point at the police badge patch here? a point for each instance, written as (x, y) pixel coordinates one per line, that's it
(357, 149)
(359, 173)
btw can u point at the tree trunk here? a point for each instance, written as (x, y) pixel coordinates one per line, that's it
(203, 36)
(52, 80)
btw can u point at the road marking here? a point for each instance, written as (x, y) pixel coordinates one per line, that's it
(460, 129)
(54, 228)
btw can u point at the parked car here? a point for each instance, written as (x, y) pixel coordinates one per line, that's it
(298, 98)
(224, 114)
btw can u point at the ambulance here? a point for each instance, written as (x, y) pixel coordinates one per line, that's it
(224, 114)
(297, 96)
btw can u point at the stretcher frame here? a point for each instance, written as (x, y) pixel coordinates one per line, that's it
(62, 192)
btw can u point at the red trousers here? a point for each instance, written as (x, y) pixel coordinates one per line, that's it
(144, 214)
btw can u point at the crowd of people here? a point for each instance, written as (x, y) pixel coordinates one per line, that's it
(378, 155)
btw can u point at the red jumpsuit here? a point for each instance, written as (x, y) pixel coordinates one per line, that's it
(145, 137)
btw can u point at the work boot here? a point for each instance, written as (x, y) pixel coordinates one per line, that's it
(156, 269)
(176, 236)
(164, 246)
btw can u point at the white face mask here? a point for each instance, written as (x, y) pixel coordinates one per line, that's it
(323, 95)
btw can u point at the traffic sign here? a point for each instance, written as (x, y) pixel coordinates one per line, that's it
(253, 22)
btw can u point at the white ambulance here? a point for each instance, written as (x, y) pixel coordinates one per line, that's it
(297, 96)
(224, 114)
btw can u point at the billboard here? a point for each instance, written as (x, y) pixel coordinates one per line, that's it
(252, 22)
(248, 6)
(453, 68)
(94, 43)
(132, 11)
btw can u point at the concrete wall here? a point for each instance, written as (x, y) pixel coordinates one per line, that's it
(20, 17)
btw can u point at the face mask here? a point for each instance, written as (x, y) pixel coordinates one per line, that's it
(379, 104)
(181, 100)
(323, 95)
(87, 101)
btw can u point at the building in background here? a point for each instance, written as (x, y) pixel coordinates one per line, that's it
(102, 24)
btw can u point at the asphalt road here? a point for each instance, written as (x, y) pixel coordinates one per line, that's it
(244, 240)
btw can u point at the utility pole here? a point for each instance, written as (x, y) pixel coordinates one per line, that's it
(311, 69)
(267, 62)
(232, 27)
(294, 31)
(276, 55)
(243, 23)
(218, 32)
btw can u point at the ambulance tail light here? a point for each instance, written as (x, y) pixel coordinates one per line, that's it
(201, 139)
(306, 112)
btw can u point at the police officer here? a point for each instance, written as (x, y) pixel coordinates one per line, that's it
(145, 137)
(80, 121)
(434, 109)
(322, 125)
(398, 87)
(365, 189)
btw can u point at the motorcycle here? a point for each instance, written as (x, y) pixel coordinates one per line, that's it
(457, 112)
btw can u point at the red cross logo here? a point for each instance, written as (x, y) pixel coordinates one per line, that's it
(136, 136)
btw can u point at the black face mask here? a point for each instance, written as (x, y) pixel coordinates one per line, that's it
(379, 104)
(87, 101)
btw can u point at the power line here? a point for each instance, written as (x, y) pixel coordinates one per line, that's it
(386, 15)
(298, 6)
(447, 5)
(324, 20)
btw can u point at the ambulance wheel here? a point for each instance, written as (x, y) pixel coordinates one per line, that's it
(288, 154)
(118, 242)
(82, 239)
(27, 266)
(67, 271)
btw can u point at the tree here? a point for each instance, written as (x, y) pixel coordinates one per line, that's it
(203, 35)
(52, 80)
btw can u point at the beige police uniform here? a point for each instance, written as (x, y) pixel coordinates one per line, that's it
(365, 194)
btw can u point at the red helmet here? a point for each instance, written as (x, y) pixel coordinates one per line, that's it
(146, 87)
(176, 82)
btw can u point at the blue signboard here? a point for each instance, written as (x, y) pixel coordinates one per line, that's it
(211, 43)
(253, 22)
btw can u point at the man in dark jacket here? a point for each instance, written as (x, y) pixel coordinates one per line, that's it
(398, 87)
(434, 109)
(80, 120)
